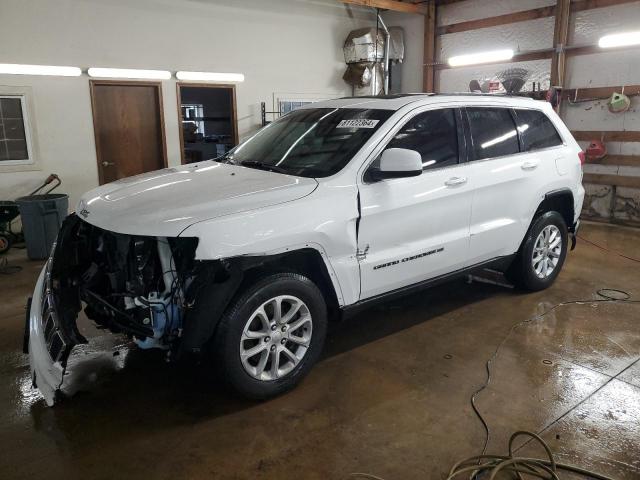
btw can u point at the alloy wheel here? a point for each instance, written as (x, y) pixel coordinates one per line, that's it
(546, 251)
(276, 338)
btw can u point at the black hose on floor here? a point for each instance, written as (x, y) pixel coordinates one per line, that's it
(491, 465)
(597, 245)
(608, 295)
(545, 469)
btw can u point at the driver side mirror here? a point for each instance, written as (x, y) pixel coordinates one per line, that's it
(397, 163)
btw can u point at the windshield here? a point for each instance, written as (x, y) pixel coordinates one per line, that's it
(314, 142)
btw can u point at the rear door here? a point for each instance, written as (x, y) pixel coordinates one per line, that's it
(413, 229)
(510, 167)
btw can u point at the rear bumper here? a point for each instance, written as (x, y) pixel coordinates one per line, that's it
(573, 231)
(46, 373)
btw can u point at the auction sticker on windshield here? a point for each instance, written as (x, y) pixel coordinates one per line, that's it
(358, 123)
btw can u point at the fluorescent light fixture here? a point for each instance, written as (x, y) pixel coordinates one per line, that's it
(482, 57)
(210, 76)
(619, 40)
(129, 73)
(16, 69)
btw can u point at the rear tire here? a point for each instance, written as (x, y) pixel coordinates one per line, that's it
(541, 254)
(271, 335)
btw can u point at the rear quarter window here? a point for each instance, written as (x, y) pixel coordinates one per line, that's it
(493, 132)
(536, 130)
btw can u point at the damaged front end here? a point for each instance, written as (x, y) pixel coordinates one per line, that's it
(140, 286)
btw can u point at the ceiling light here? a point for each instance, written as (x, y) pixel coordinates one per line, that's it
(129, 73)
(15, 69)
(619, 40)
(210, 76)
(483, 57)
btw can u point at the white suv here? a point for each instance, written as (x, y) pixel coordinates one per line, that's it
(331, 208)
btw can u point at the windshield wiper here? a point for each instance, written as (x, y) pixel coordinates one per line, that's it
(225, 158)
(264, 166)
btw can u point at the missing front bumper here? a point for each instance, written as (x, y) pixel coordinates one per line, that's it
(46, 373)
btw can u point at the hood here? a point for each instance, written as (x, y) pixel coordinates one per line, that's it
(165, 202)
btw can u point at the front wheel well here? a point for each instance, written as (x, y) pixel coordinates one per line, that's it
(306, 261)
(560, 201)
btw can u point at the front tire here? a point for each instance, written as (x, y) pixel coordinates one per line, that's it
(542, 253)
(271, 335)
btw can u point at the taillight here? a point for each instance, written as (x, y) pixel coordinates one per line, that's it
(583, 157)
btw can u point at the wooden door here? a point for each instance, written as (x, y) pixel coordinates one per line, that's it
(129, 128)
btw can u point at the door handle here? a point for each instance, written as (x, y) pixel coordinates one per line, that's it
(108, 164)
(529, 165)
(454, 181)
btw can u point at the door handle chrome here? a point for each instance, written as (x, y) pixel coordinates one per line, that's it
(453, 181)
(108, 164)
(529, 165)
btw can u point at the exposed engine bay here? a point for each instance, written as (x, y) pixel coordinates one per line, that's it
(139, 286)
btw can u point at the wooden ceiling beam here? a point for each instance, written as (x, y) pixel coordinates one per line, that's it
(560, 36)
(394, 5)
(429, 55)
(616, 160)
(617, 180)
(526, 15)
(607, 136)
(597, 93)
(447, 2)
(580, 5)
(506, 19)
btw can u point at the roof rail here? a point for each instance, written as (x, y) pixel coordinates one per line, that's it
(443, 94)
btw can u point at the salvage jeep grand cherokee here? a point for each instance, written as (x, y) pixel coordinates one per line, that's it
(331, 207)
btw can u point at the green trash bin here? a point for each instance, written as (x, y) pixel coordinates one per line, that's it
(42, 216)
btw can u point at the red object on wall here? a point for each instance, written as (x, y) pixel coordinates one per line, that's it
(596, 150)
(553, 96)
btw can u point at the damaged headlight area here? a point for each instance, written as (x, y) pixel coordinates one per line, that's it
(139, 286)
(128, 284)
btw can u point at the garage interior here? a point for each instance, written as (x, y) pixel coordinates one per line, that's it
(405, 389)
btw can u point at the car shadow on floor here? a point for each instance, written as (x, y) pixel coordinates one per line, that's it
(128, 388)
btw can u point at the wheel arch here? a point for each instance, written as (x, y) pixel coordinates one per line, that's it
(561, 201)
(221, 280)
(307, 261)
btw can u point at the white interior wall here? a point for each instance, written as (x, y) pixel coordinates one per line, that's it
(286, 46)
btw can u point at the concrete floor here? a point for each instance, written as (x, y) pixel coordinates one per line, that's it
(390, 397)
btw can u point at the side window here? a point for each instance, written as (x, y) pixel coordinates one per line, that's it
(434, 135)
(536, 130)
(493, 131)
(14, 133)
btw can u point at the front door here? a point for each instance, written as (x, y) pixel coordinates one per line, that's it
(413, 229)
(129, 130)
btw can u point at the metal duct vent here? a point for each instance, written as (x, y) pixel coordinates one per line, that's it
(364, 55)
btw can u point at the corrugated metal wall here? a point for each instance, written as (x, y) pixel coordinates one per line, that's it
(610, 68)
